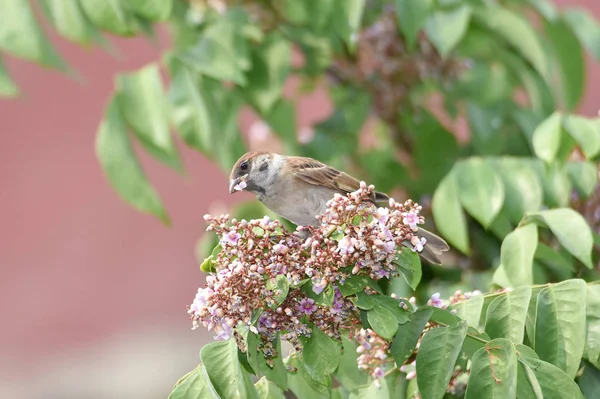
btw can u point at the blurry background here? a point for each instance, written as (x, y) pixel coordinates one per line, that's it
(93, 293)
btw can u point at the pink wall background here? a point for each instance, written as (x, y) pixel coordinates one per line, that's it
(93, 293)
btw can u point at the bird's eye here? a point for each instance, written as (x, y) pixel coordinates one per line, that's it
(244, 165)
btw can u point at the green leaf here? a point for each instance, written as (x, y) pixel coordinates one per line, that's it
(153, 10)
(505, 317)
(225, 371)
(277, 373)
(280, 287)
(493, 371)
(589, 382)
(189, 111)
(480, 188)
(71, 22)
(523, 190)
(7, 86)
(516, 255)
(408, 335)
(348, 373)
(437, 356)
(270, 68)
(446, 28)
(469, 310)
(353, 284)
(448, 214)
(584, 176)
(111, 15)
(383, 322)
(320, 354)
(195, 385)
(592, 312)
(528, 386)
(560, 325)
(586, 132)
(547, 137)
(121, 167)
(570, 228)
(346, 20)
(301, 384)
(410, 267)
(146, 110)
(556, 184)
(221, 52)
(586, 28)
(21, 36)
(518, 32)
(554, 383)
(371, 391)
(282, 120)
(412, 15)
(325, 298)
(268, 390)
(571, 63)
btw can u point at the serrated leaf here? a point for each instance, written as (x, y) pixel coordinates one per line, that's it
(505, 316)
(518, 32)
(584, 176)
(146, 110)
(570, 61)
(570, 228)
(493, 371)
(554, 383)
(405, 340)
(469, 310)
(21, 36)
(437, 356)
(111, 15)
(547, 138)
(481, 190)
(320, 354)
(516, 255)
(412, 15)
(560, 325)
(225, 372)
(446, 28)
(196, 385)
(586, 132)
(121, 166)
(592, 312)
(448, 215)
(586, 28)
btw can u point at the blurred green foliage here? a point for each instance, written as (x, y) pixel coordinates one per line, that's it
(424, 72)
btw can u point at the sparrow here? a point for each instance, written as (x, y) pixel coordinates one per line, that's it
(298, 188)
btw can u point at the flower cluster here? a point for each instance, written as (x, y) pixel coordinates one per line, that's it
(373, 352)
(275, 282)
(458, 296)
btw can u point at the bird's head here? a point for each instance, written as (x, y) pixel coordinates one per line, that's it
(253, 172)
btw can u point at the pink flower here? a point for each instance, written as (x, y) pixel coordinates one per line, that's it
(240, 186)
(307, 306)
(389, 246)
(418, 243)
(231, 238)
(435, 300)
(280, 249)
(378, 372)
(411, 219)
(346, 245)
(382, 215)
(225, 332)
(319, 287)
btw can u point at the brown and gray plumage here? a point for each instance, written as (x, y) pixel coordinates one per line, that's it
(298, 188)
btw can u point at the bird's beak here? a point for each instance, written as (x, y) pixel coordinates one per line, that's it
(237, 184)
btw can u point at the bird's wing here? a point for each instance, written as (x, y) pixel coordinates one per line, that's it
(314, 172)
